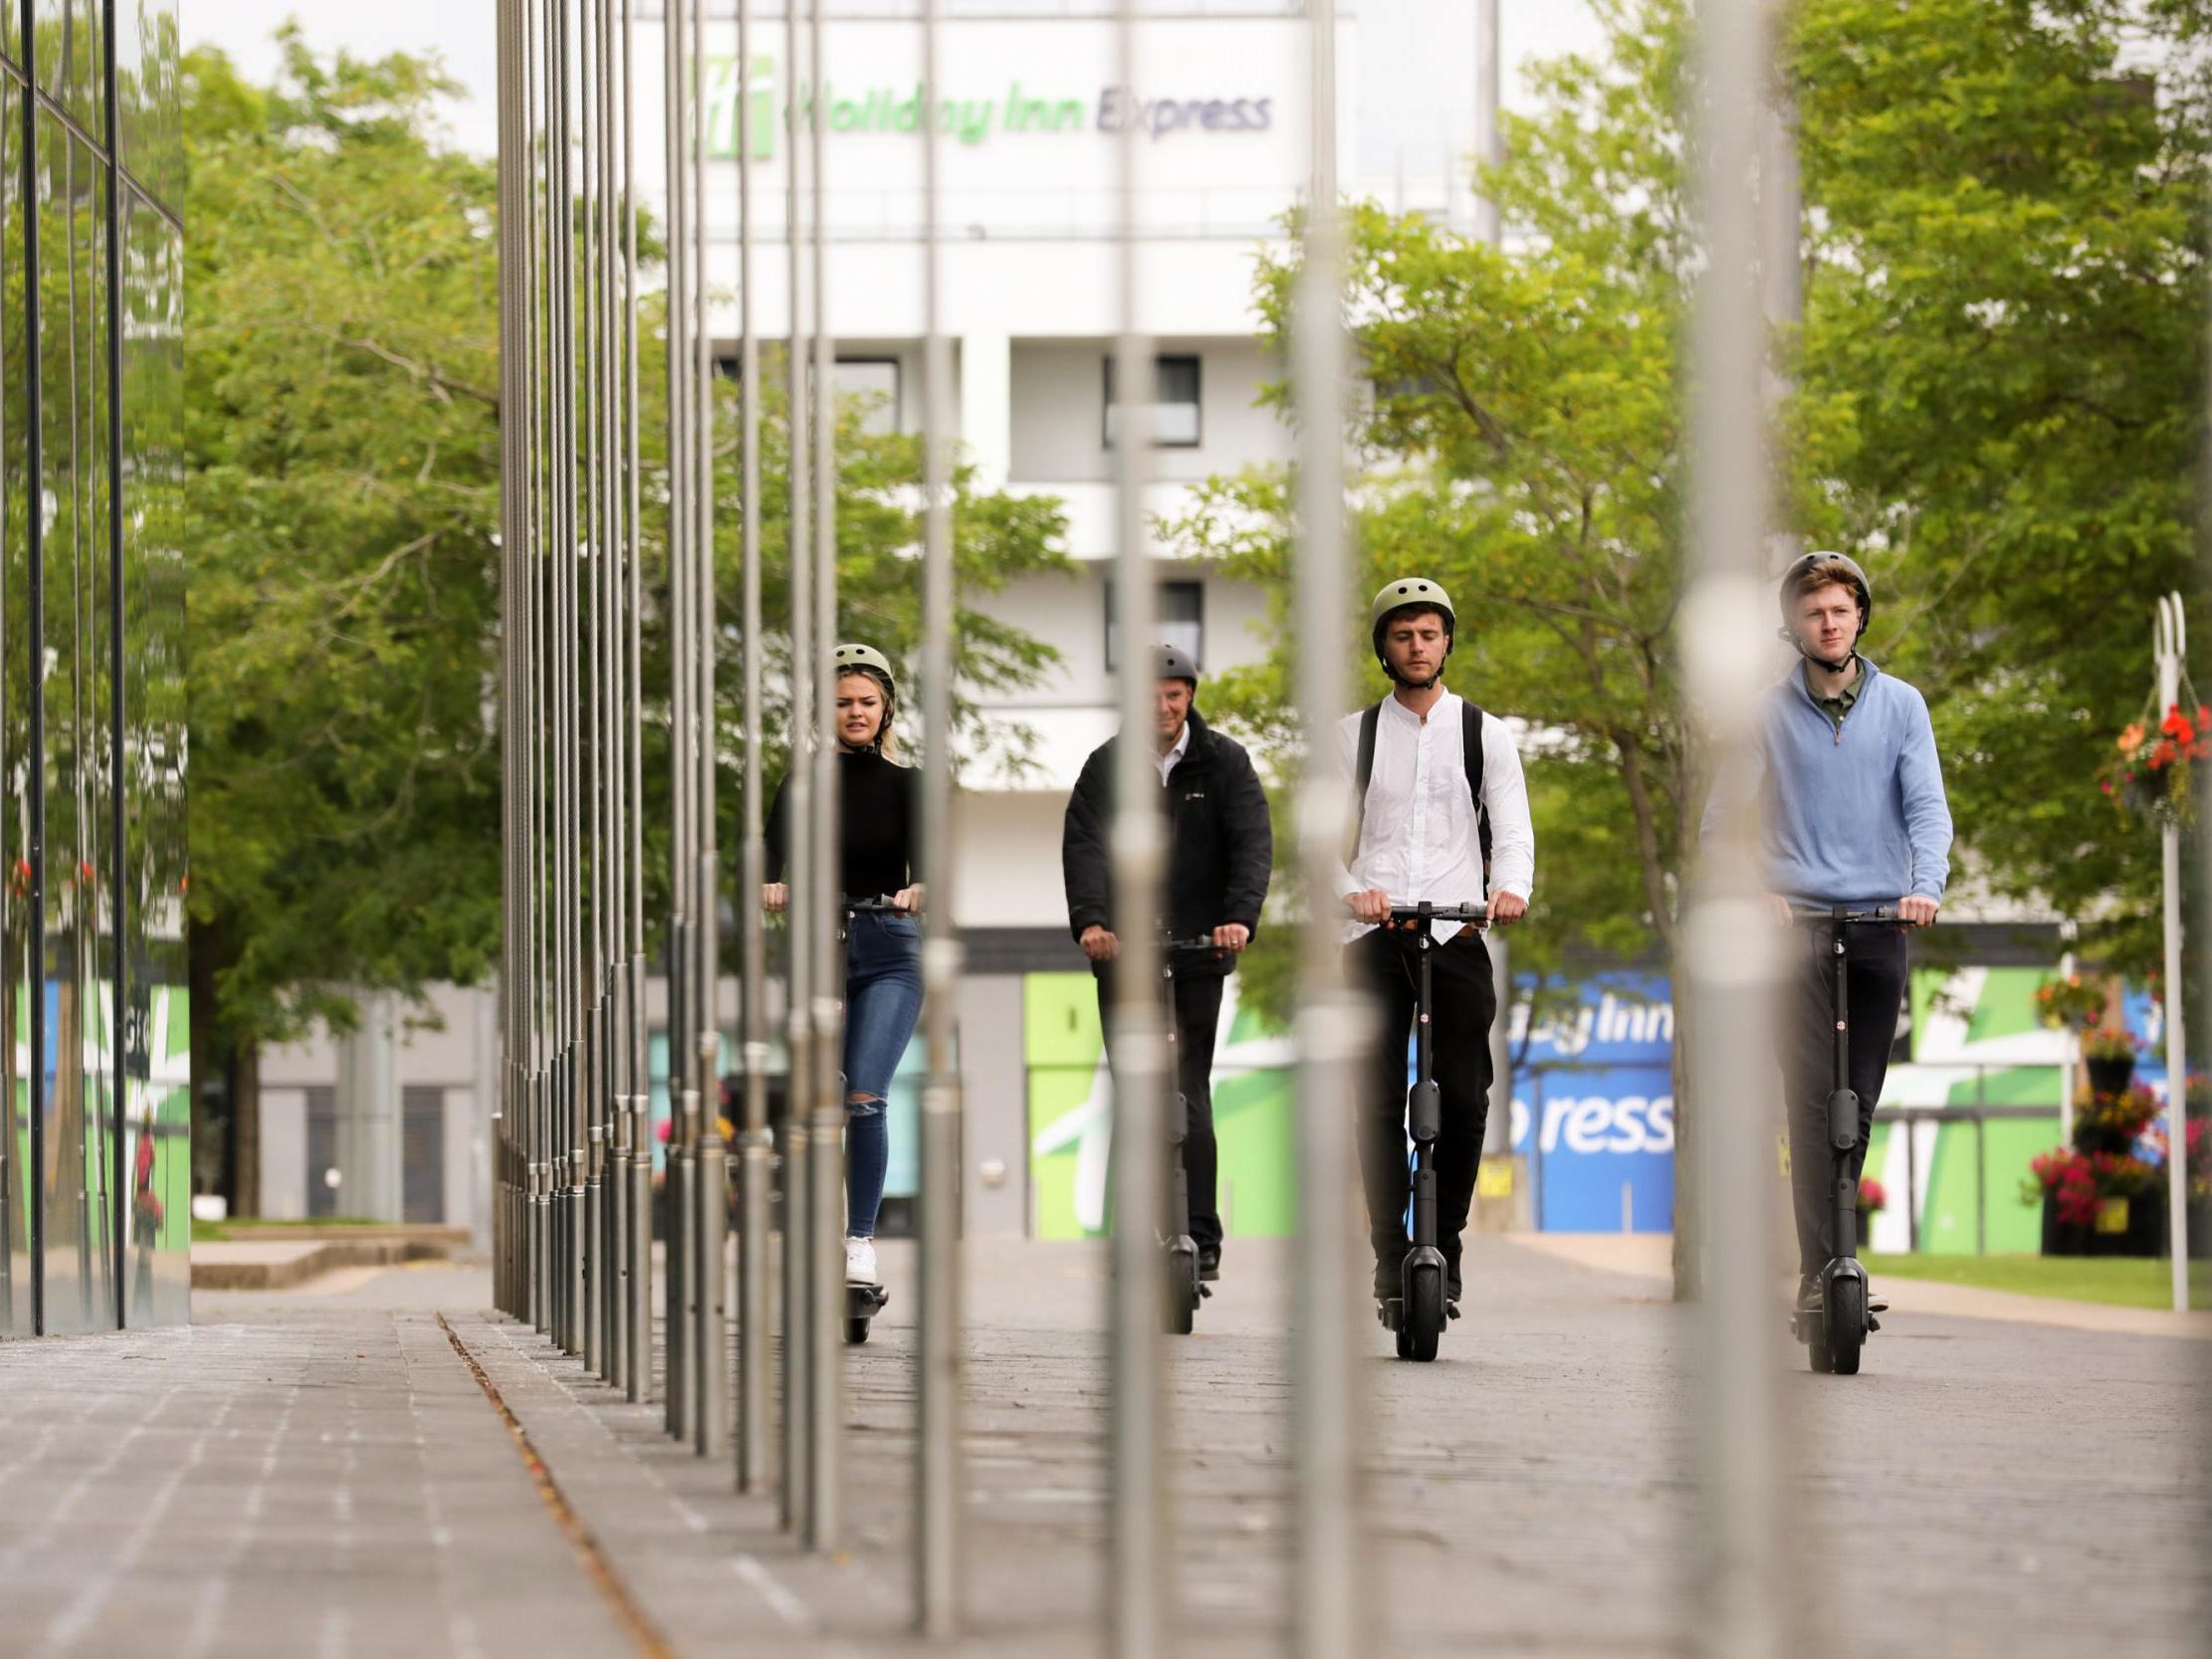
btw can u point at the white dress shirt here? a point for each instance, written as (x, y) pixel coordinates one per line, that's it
(1421, 840)
(1167, 763)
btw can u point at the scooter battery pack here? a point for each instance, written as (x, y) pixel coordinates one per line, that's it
(1843, 1120)
(1425, 1111)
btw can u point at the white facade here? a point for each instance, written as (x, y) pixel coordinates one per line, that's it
(1030, 296)
(1030, 300)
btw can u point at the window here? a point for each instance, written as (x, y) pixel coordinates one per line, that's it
(1173, 413)
(1180, 623)
(874, 381)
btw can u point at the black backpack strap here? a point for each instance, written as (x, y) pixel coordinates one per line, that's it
(1370, 720)
(1470, 739)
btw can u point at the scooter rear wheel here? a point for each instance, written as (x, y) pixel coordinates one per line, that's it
(1425, 1316)
(857, 1330)
(1846, 1323)
(1183, 1295)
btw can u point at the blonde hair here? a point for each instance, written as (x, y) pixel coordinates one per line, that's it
(887, 741)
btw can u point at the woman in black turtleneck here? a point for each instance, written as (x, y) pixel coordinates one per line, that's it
(879, 823)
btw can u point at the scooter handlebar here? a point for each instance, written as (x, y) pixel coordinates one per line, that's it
(1405, 914)
(1203, 941)
(876, 905)
(1880, 915)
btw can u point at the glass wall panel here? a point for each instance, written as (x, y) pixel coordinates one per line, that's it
(18, 981)
(156, 1030)
(146, 100)
(68, 49)
(74, 551)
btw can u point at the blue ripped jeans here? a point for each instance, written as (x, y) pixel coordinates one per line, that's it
(883, 999)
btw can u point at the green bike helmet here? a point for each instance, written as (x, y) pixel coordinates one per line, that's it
(866, 659)
(1396, 597)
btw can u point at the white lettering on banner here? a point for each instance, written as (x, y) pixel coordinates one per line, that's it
(1592, 1123)
(1616, 1021)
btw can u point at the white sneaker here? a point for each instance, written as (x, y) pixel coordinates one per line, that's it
(860, 1261)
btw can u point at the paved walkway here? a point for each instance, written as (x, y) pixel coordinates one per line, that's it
(327, 1472)
(1649, 1256)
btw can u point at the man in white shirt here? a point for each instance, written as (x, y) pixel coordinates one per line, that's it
(1421, 837)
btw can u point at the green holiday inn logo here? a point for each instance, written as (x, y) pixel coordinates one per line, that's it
(745, 118)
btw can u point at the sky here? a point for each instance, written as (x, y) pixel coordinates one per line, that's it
(461, 32)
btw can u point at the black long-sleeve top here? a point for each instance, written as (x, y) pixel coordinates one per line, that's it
(879, 826)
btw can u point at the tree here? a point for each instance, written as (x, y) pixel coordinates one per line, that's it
(2004, 328)
(342, 451)
(1995, 397)
(1522, 443)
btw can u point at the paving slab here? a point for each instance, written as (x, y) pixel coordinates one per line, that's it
(390, 1468)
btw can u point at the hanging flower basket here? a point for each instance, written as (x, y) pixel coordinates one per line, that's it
(2060, 1004)
(2148, 773)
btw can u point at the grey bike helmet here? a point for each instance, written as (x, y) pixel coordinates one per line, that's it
(866, 659)
(1396, 597)
(1786, 595)
(1172, 662)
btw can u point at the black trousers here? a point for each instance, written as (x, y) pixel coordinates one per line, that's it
(1197, 1014)
(1463, 1002)
(1874, 984)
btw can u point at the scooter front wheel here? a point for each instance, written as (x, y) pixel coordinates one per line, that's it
(1424, 1314)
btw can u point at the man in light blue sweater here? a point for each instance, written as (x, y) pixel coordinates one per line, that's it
(1851, 812)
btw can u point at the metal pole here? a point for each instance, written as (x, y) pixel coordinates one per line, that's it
(682, 1311)
(1332, 1019)
(574, 1103)
(533, 657)
(826, 1365)
(1728, 948)
(594, 1008)
(1489, 145)
(613, 981)
(799, 791)
(711, 1359)
(2173, 644)
(753, 1141)
(512, 510)
(939, 1522)
(639, 1384)
(1137, 1610)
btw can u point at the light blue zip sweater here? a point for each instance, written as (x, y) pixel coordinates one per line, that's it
(1855, 816)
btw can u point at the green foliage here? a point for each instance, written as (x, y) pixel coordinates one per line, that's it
(1523, 449)
(2004, 328)
(342, 446)
(1995, 403)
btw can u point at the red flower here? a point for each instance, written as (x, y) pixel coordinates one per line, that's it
(2162, 754)
(2176, 725)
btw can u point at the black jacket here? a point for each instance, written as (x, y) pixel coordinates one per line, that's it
(1219, 845)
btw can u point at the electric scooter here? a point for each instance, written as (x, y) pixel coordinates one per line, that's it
(1419, 1311)
(1834, 1336)
(1185, 1288)
(862, 1302)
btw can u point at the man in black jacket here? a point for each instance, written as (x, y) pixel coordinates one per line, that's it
(1219, 851)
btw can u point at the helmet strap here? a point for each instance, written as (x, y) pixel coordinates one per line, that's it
(1396, 678)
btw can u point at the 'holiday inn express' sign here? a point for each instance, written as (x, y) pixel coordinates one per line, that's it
(1018, 111)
